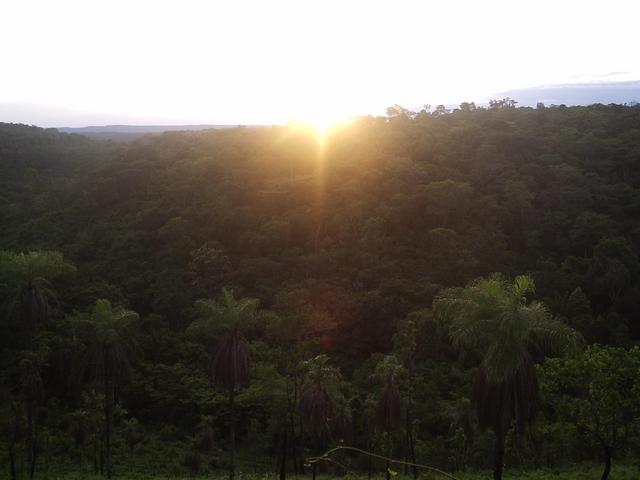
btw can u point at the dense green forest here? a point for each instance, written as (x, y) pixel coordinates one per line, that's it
(459, 290)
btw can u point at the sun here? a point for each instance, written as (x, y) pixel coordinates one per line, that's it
(321, 122)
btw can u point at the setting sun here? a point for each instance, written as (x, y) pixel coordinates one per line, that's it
(320, 121)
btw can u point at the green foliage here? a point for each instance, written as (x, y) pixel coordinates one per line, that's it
(492, 317)
(346, 249)
(29, 275)
(598, 392)
(215, 318)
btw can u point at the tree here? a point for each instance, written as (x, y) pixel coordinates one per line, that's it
(614, 265)
(78, 423)
(405, 347)
(468, 107)
(493, 318)
(209, 267)
(33, 391)
(15, 432)
(108, 356)
(31, 274)
(599, 392)
(318, 400)
(226, 320)
(502, 103)
(440, 110)
(400, 112)
(388, 409)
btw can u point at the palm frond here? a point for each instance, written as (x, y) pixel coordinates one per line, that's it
(388, 410)
(230, 364)
(552, 335)
(472, 335)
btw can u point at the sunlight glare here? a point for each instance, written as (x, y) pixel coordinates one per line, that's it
(321, 122)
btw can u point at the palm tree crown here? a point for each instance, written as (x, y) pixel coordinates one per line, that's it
(493, 318)
(110, 346)
(31, 274)
(225, 321)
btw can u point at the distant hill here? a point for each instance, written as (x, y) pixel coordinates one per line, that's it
(139, 128)
(577, 94)
(130, 132)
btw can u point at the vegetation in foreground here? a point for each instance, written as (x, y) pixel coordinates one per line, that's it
(242, 300)
(573, 472)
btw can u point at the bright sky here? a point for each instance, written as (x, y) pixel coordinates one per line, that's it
(189, 61)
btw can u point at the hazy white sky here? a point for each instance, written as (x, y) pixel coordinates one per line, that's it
(263, 61)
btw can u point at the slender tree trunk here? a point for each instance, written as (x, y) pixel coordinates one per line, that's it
(283, 463)
(607, 463)
(292, 421)
(388, 472)
(22, 462)
(81, 458)
(95, 452)
(370, 459)
(315, 467)
(34, 458)
(47, 455)
(498, 451)
(300, 437)
(12, 460)
(34, 452)
(108, 413)
(232, 433)
(30, 442)
(410, 441)
(102, 454)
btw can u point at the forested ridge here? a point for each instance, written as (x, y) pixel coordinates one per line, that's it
(439, 287)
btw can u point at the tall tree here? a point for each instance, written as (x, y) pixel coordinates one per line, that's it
(33, 391)
(318, 395)
(31, 274)
(388, 410)
(108, 356)
(493, 318)
(226, 320)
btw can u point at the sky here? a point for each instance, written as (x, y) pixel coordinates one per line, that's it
(75, 63)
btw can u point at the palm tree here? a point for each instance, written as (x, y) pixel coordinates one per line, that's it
(31, 273)
(15, 434)
(494, 319)
(230, 362)
(318, 401)
(108, 356)
(388, 409)
(78, 425)
(33, 391)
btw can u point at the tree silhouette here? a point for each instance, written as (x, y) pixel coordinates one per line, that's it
(230, 362)
(388, 409)
(492, 318)
(78, 427)
(108, 356)
(318, 402)
(15, 433)
(31, 273)
(33, 391)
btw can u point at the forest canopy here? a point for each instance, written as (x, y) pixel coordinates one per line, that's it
(271, 293)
